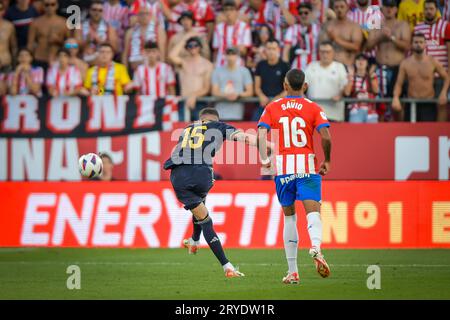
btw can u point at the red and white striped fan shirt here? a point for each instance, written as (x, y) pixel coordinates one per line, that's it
(230, 35)
(354, 3)
(154, 81)
(37, 75)
(117, 17)
(307, 39)
(446, 13)
(253, 15)
(272, 15)
(436, 35)
(203, 13)
(367, 18)
(154, 8)
(362, 89)
(139, 38)
(63, 80)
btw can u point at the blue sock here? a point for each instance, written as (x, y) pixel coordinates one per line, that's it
(212, 239)
(197, 229)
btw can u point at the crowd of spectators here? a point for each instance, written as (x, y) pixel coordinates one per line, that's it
(233, 49)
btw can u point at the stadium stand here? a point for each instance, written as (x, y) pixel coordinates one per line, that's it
(300, 26)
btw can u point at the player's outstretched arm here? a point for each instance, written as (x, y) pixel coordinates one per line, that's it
(263, 146)
(252, 140)
(326, 146)
(249, 139)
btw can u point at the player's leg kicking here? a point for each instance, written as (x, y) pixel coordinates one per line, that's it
(191, 187)
(205, 222)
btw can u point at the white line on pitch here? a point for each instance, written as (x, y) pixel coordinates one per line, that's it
(241, 264)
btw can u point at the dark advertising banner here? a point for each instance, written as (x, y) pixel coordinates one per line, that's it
(28, 116)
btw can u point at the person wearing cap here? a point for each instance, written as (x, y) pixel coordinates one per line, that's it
(362, 83)
(346, 35)
(187, 21)
(230, 33)
(391, 44)
(194, 72)
(154, 77)
(146, 30)
(231, 82)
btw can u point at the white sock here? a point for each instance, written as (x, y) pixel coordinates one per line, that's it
(315, 228)
(290, 236)
(228, 265)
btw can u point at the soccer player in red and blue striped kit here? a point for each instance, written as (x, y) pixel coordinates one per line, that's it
(297, 178)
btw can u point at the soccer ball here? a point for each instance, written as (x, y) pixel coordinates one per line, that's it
(90, 165)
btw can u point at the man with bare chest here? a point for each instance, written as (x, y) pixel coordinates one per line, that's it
(194, 71)
(8, 42)
(346, 35)
(47, 34)
(391, 44)
(419, 70)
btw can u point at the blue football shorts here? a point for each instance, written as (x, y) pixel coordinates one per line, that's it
(291, 187)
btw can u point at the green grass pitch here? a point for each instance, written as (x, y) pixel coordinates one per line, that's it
(35, 273)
